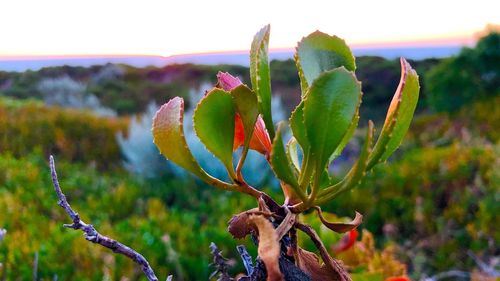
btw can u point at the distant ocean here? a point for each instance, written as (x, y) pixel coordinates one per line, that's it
(241, 58)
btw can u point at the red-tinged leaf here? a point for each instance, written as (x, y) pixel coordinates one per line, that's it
(168, 135)
(227, 81)
(261, 141)
(269, 247)
(346, 242)
(398, 278)
(339, 226)
(399, 115)
(247, 110)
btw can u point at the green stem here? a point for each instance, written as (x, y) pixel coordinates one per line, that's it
(315, 187)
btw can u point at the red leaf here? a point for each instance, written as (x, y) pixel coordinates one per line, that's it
(346, 242)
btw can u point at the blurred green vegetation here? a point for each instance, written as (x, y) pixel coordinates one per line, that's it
(170, 221)
(434, 201)
(74, 135)
(470, 76)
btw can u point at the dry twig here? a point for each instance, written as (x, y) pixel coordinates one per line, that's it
(91, 233)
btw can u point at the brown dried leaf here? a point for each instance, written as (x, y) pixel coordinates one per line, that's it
(239, 225)
(309, 262)
(330, 270)
(269, 247)
(339, 226)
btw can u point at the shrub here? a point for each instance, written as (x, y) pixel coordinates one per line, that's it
(74, 135)
(472, 75)
(436, 202)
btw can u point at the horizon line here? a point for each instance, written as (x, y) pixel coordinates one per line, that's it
(445, 42)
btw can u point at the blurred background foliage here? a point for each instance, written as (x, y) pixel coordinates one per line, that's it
(433, 207)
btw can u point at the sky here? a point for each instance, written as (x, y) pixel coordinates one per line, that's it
(149, 27)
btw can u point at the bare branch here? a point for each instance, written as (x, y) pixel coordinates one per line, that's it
(91, 233)
(246, 258)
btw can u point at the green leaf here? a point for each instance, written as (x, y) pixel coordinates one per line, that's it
(302, 78)
(399, 115)
(214, 124)
(293, 153)
(355, 175)
(260, 75)
(280, 164)
(168, 135)
(329, 108)
(298, 127)
(325, 180)
(347, 137)
(246, 104)
(320, 52)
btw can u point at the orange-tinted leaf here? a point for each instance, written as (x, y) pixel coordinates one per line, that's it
(168, 135)
(399, 115)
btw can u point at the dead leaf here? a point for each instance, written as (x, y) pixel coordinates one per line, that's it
(340, 227)
(269, 247)
(239, 225)
(331, 269)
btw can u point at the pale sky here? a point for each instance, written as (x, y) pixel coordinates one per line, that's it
(149, 27)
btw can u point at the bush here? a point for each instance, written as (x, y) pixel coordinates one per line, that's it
(72, 135)
(472, 75)
(436, 202)
(174, 239)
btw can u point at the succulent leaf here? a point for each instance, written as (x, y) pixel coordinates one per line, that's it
(329, 109)
(168, 135)
(281, 167)
(355, 175)
(347, 137)
(399, 115)
(320, 52)
(260, 75)
(298, 127)
(293, 153)
(214, 125)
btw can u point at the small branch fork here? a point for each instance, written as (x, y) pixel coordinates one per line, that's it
(91, 233)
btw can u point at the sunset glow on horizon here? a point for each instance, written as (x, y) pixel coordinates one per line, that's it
(59, 28)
